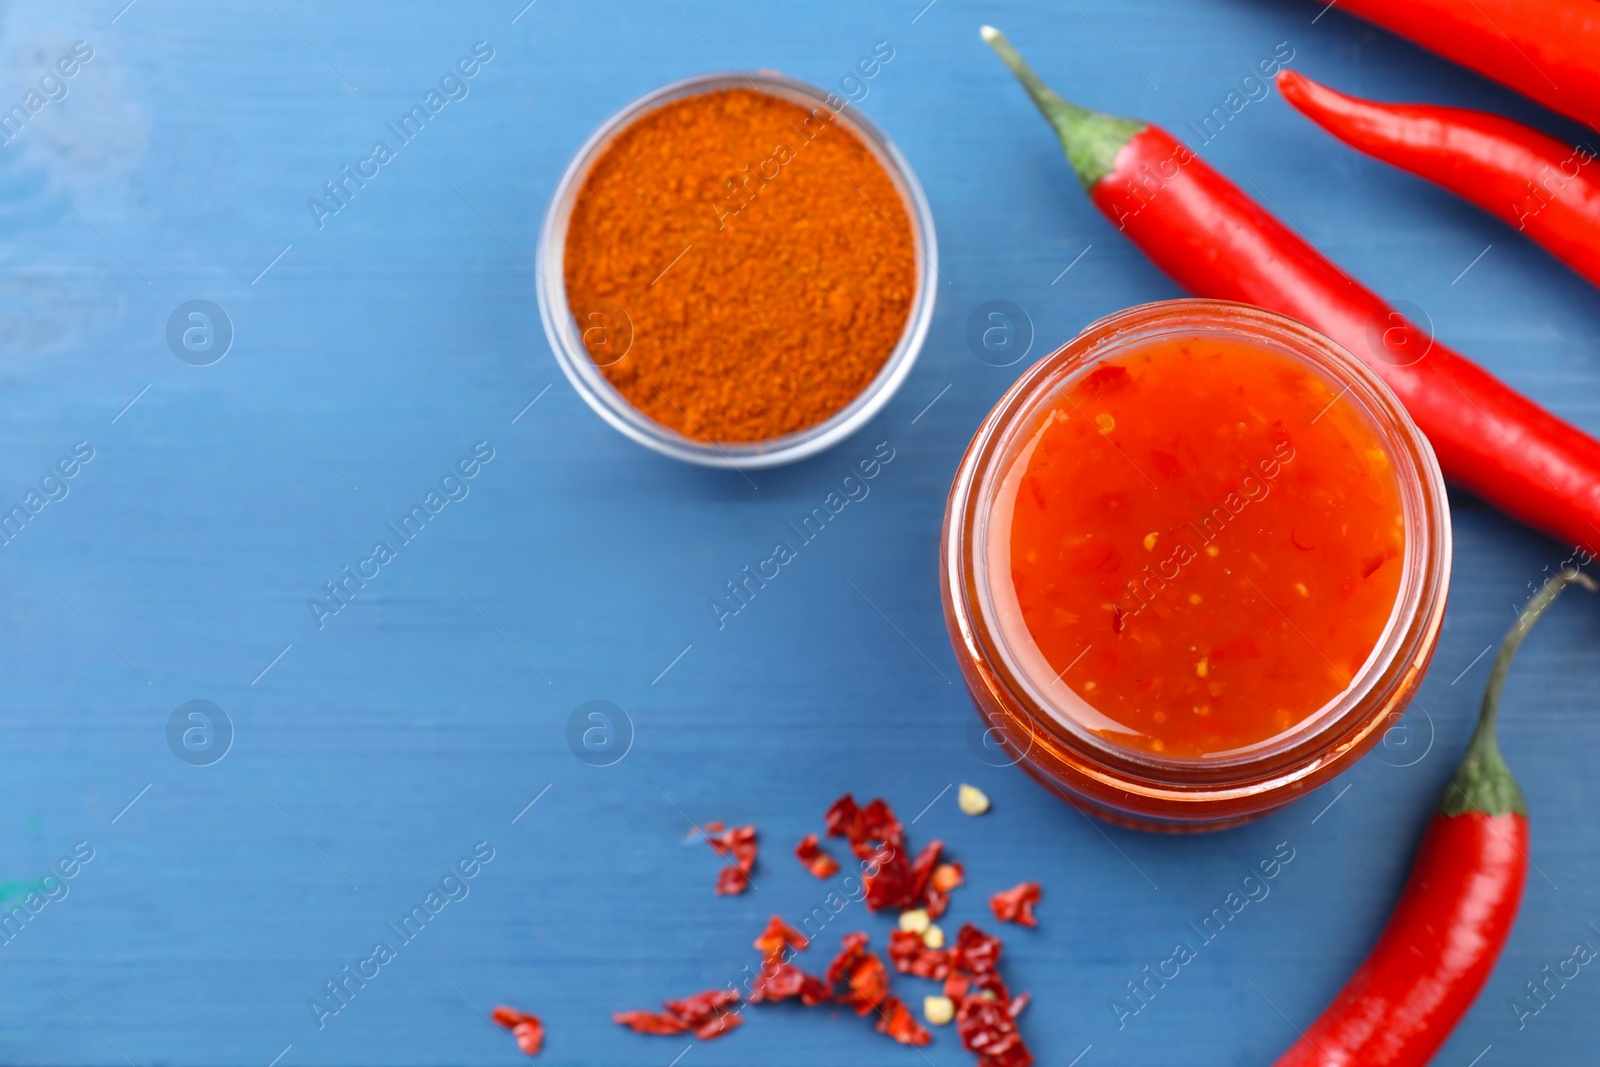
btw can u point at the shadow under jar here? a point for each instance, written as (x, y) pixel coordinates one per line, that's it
(1194, 564)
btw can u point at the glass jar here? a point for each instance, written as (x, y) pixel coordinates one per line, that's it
(1035, 729)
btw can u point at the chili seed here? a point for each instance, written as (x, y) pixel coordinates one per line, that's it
(972, 800)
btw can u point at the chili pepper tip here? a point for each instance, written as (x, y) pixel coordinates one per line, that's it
(1091, 140)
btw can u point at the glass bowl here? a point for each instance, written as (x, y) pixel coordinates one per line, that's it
(1028, 725)
(597, 391)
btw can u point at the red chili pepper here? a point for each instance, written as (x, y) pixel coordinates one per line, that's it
(527, 1029)
(1530, 180)
(1455, 912)
(1217, 242)
(1016, 904)
(1547, 51)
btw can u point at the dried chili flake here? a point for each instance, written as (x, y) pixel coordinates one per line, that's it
(992, 983)
(737, 844)
(778, 936)
(695, 1008)
(986, 1014)
(868, 829)
(911, 955)
(852, 948)
(865, 977)
(714, 1026)
(890, 885)
(896, 1020)
(817, 861)
(731, 881)
(979, 952)
(706, 1014)
(650, 1022)
(868, 984)
(987, 1028)
(1016, 904)
(946, 876)
(878, 823)
(922, 869)
(877, 836)
(780, 981)
(842, 818)
(527, 1029)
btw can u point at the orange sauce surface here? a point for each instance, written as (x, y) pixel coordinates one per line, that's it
(1205, 543)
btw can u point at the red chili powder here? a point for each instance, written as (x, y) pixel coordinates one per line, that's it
(750, 260)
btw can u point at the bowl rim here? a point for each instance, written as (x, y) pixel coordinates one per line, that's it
(561, 329)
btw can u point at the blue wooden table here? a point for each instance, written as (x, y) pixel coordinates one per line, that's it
(347, 763)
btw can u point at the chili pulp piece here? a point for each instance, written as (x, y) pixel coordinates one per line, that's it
(527, 1029)
(1547, 50)
(817, 861)
(1217, 242)
(1526, 178)
(1455, 911)
(1016, 904)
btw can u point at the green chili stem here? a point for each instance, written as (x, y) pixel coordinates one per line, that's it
(1483, 783)
(1090, 139)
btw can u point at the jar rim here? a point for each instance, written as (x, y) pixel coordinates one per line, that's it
(564, 336)
(1343, 728)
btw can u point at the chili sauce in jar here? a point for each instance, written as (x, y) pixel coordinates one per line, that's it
(1195, 563)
